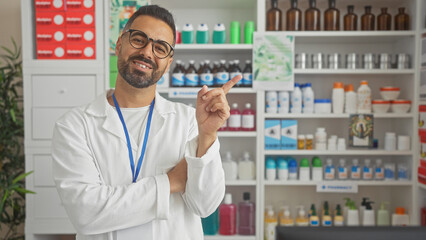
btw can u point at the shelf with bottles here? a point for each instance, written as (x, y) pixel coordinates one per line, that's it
(354, 71)
(236, 134)
(213, 47)
(196, 89)
(232, 237)
(333, 115)
(366, 152)
(359, 183)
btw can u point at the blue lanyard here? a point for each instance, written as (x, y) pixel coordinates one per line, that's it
(129, 145)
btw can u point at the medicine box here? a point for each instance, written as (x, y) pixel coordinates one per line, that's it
(289, 134)
(272, 134)
(422, 120)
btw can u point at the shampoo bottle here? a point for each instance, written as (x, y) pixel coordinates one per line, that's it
(368, 216)
(301, 219)
(383, 218)
(246, 213)
(285, 217)
(246, 168)
(228, 217)
(229, 167)
(270, 225)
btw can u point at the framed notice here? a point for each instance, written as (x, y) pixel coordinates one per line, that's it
(361, 130)
(273, 61)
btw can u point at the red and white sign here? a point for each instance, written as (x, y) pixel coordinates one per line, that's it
(50, 20)
(49, 5)
(50, 35)
(80, 35)
(80, 51)
(80, 19)
(51, 51)
(80, 5)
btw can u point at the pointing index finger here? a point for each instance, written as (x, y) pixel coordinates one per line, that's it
(227, 86)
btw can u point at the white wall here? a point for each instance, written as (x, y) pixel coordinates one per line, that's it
(10, 22)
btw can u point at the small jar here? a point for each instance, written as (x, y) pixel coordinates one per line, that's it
(390, 141)
(301, 142)
(309, 142)
(322, 105)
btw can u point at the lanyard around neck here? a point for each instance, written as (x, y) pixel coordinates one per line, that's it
(129, 145)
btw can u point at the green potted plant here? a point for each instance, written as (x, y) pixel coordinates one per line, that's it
(12, 161)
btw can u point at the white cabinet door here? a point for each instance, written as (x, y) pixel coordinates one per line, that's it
(44, 120)
(43, 176)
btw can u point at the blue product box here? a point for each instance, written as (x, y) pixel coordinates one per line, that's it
(289, 134)
(272, 134)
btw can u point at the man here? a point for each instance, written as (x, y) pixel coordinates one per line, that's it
(132, 165)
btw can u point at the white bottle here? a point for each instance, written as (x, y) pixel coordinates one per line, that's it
(308, 99)
(321, 139)
(229, 167)
(296, 99)
(246, 168)
(271, 102)
(282, 167)
(342, 173)
(399, 218)
(379, 170)
(304, 170)
(367, 172)
(369, 218)
(329, 171)
(338, 98)
(350, 99)
(364, 98)
(355, 170)
(283, 102)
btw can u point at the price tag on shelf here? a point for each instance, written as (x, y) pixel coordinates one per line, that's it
(183, 92)
(337, 187)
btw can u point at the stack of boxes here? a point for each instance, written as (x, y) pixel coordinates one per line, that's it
(65, 29)
(280, 134)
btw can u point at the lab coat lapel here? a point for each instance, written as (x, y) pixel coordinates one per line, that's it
(162, 109)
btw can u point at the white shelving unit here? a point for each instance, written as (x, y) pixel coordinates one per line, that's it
(339, 153)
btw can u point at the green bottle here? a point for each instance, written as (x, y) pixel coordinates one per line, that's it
(219, 33)
(248, 32)
(235, 32)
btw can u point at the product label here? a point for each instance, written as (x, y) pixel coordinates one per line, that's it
(314, 223)
(222, 78)
(368, 173)
(326, 223)
(247, 79)
(206, 79)
(355, 174)
(343, 173)
(235, 121)
(191, 79)
(233, 74)
(379, 173)
(248, 121)
(329, 173)
(389, 174)
(364, 100)
(270, 231)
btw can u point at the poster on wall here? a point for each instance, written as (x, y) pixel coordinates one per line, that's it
(273, 61)
(361, 130)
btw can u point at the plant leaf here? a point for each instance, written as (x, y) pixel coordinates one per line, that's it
(23, 190)
(20, 177)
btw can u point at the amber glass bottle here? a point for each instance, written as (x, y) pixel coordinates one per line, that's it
(294, 17)
(367, 20)
(402, 20)
(332, 17)
(274, 18)
(312, 17)
(384, 20)
(350, 20)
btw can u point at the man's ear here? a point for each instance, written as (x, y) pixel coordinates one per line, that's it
(169, 64)
(118, 46)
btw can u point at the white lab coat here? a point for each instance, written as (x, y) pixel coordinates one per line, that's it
(92, 173)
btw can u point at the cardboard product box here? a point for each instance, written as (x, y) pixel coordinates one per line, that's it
(272, 134)
(51, 51)
(422, 120)
(289, 134)
(50, 36)
(49, 5)
(81, 51)
(50, 20)
(81, 35)
(80, 5)
(421, 174)
(80, 19)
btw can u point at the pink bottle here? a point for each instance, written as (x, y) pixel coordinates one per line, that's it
(246, 211)
(248, 119)
(234, 121)
(227, 217)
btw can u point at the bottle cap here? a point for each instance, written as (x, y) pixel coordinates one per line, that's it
(302, 211)
(338, 210)
(188, 27)
(292, 163)
(309, 136)
(301, 136)
(349, 88)
(382, 205)
(286, 212)
(364, 82)
(235, 105)
(322, 101)
(338, 85)
(202, 27)
(379, 161)
(364, 201)
(308, 85)
(219, 27)
(400, 211)
(246, 156)
(246, 196)
(248, 61)
(342, 161)
(191, 61)
(228, 198)
(296, 85)
(348, 201)
(304, 163)
(249, 25)
(228, 156)
(270, 213)
(270, 163)
(316, 162)
(235, 24)
(282, 163)
(329, 161)
(368, 205)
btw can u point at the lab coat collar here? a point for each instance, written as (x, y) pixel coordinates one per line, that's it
(101, 108)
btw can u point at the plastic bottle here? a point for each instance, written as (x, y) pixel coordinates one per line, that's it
(314, 220)
(271, 172)
(247, 80)
(362, 208)
(338, 97)
(246, 216)
(300, 142)
(383, 218)
(248, 119)
(342, 172)
(271, 102)
(191, 75)
(367, 171)
(308, 99)
(355, 170)
(285, 217)
(228, 216)
(369, 217)
(236, 70)
(292, 169)
(178, 75)
(188, 34)
(219, 33)
(350, 99)
(248, 32)
(234, 121)
(234, 36)
(229, 167)
(338, 218)
(283, 102)
(329, 173)
(321, 139)
(211, 223)
(202, 34)
(379, 171)
(282, 169)
(364, 98)
(222, 75)
(317, 169)
(246, 168)
(206, 76)
(399, 218)
(296, 99)
(270, 225)
(353, 215)
(200, 69)
(302, 220)
(304, 170)
(309, 141)
(326, 218)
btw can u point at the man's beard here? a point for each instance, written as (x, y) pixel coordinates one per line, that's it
(139, 79)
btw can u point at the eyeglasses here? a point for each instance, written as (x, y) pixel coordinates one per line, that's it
(139, 40)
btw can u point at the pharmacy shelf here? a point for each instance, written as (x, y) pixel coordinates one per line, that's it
(359, 183)
(340, 153)
(346, 37)
(237, 134)
(213, 47)
(241, 183)
(333, 115)
(196, 89)
(232, 237)
(354, 71)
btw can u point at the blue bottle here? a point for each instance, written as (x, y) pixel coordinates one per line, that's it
(292, 169)
(211, 223)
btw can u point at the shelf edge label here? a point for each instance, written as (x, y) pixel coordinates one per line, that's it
(337, 187)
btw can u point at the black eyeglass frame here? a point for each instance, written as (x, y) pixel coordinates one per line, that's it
(130, 31)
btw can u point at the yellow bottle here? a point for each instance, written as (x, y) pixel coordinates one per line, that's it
(314, 219)
(302, 220)
(270, 224)
(338, 218)
(326, 218)
(285, 217)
